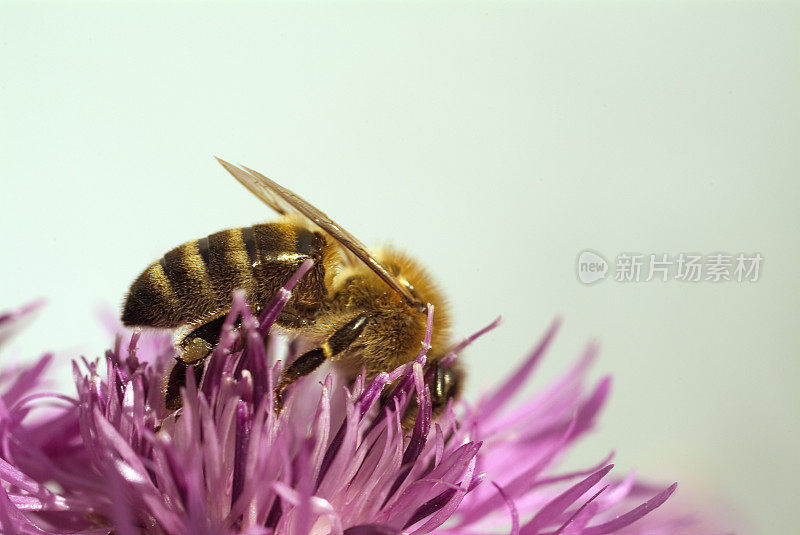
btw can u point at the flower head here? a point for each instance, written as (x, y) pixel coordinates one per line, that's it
(335, 460)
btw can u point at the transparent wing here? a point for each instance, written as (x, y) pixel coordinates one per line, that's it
(259, 189)
(284, 202)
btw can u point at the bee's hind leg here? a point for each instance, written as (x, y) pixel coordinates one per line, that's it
(311, 360)
(197, 344)
(177, 379)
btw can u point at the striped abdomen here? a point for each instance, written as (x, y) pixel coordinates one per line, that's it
(196, 279)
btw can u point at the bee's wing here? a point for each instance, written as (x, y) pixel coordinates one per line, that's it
(284, 202)
(260, 189)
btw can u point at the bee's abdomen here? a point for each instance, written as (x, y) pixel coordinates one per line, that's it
(197, 278)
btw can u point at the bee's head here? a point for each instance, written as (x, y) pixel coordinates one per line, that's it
(420, 286)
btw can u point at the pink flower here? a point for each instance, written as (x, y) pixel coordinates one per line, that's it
(335, 460)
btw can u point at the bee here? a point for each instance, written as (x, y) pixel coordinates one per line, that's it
(354, 307)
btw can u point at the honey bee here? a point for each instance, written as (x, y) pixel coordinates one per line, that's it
(355, 307)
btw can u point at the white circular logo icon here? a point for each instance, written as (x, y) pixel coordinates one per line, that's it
(592, 267)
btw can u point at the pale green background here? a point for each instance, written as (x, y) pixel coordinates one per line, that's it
(493, 141)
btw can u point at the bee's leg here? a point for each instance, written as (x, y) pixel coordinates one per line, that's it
(199, 342)
(310, 361)
(177, 379)
(446, 384)
(197, 345)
